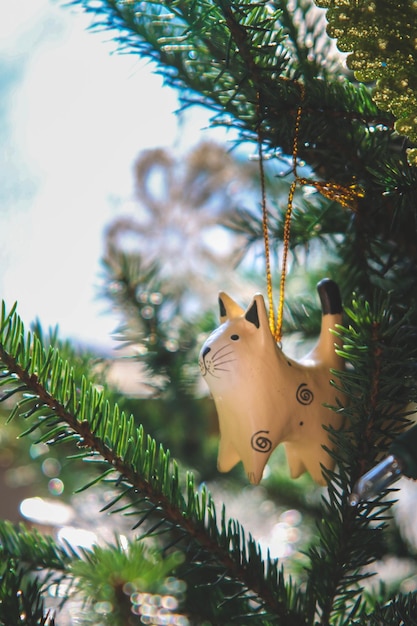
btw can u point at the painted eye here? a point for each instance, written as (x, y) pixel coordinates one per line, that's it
(234, 337)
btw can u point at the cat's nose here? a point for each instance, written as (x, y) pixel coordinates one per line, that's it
(205, 352)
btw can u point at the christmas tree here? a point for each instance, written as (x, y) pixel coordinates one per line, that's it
(344, 206)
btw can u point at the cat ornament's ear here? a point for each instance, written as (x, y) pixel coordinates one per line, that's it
(263, 398)
(256, 311)
(228, 308)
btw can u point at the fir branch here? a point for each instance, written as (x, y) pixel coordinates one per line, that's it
(245, 62)
(21, 601)
(311, 53)
(97, 574)
(400, 610)
(32, 548)
(377, 347)
(226, 54)
(70, 409)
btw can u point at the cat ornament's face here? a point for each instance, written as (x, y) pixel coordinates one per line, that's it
(264, 398)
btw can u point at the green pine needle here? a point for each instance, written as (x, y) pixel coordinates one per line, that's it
(74, 410)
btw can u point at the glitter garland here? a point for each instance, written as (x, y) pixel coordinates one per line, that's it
(381, 37)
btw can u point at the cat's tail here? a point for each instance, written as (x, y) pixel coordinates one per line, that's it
(331, 301)
(332, 312)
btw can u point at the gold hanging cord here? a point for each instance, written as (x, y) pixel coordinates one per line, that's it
(347, 196)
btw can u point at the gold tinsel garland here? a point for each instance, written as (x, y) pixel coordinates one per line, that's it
(381, 37)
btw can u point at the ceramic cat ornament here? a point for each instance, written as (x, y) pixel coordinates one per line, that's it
(263, 398)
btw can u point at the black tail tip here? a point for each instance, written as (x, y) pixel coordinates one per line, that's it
(331, 302)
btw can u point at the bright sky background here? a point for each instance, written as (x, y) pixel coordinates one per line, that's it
(73, 117)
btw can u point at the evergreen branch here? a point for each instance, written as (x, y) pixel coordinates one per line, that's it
(400, 610)
(98, 574)
(245, 62)
(133, 287)
(311, 53)
(376, 345)
(32, 548)
(102, 573)
(28, 551)
(75, 410)
(191, 35)
(21, 597)
(228, 54)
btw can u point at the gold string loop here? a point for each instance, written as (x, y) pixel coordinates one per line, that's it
(287, 223)
(346, 196)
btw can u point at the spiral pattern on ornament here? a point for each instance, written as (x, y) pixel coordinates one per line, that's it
(259, 442)
(304, 395)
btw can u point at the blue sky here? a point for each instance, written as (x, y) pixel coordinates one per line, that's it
(73, 116)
